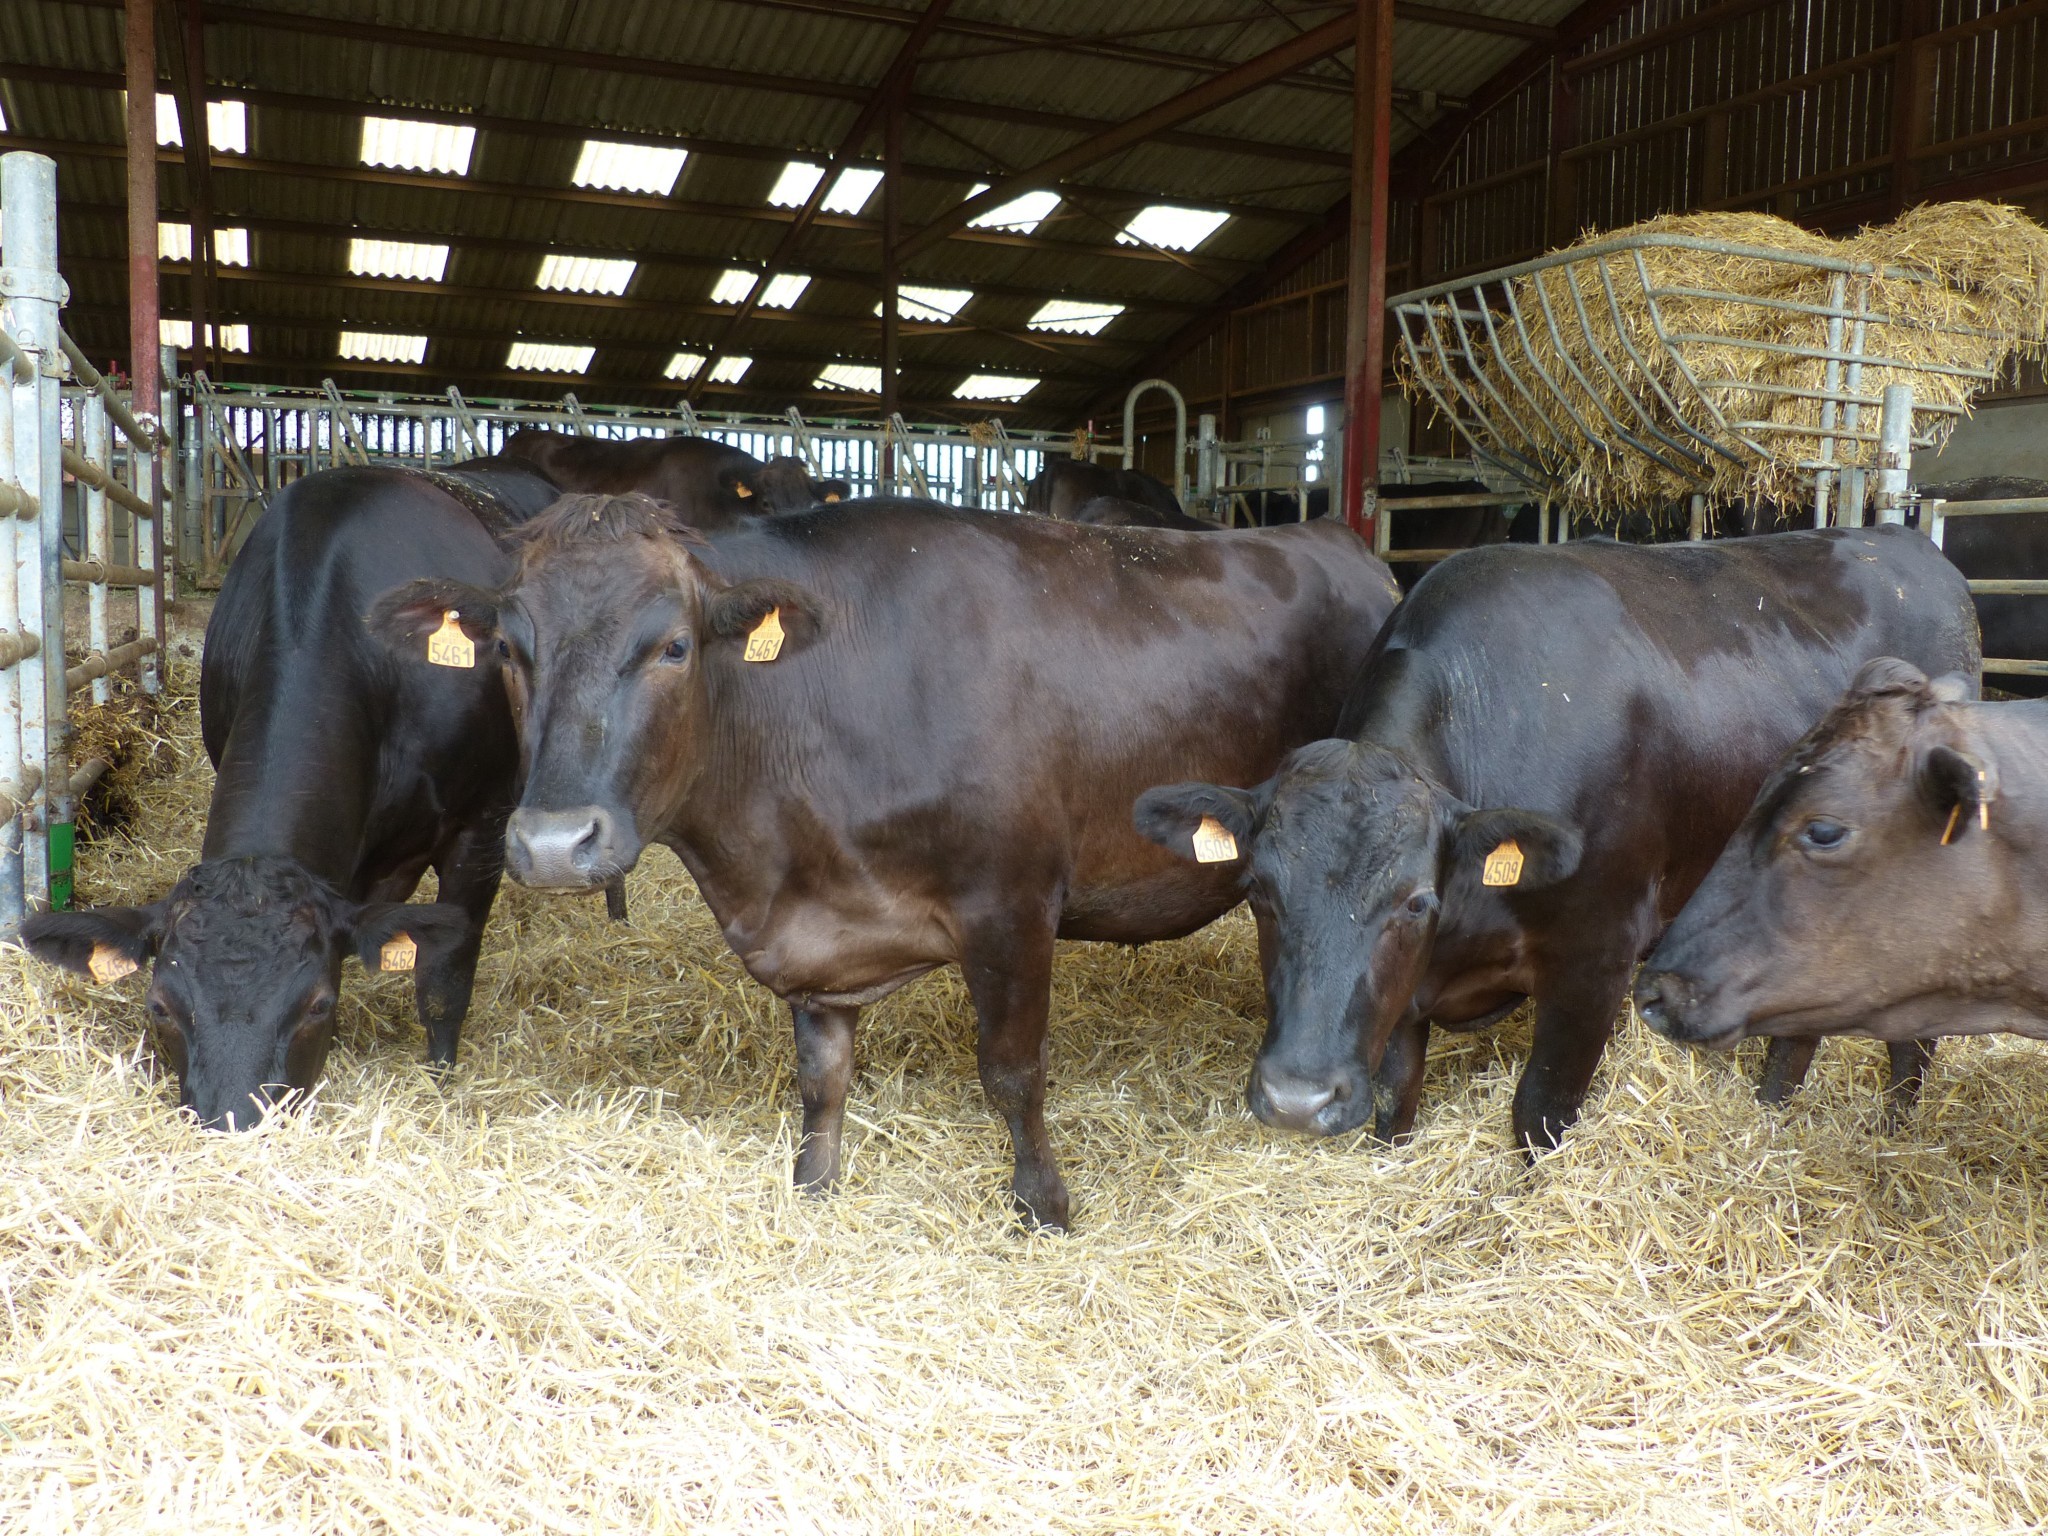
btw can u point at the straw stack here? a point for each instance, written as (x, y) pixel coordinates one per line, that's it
(572, 1292)
(1563, 398)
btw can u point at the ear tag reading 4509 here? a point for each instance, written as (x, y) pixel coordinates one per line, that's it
(1503, 865)
(398, 954)
(765, 643)
(109, 964)
(448, 646)
(1213, 842)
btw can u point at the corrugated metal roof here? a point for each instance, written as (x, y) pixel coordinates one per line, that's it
(539, 75)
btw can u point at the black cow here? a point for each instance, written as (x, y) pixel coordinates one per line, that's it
(343, 773)
(930, 758)
(696, 476)
(1889, 881)
(1547, 750)
(1115, 512)
(784, 484)
(1064, 486)
(2003, 546)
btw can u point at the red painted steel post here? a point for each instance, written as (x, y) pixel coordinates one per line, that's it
(1365, 333)
(142, 291)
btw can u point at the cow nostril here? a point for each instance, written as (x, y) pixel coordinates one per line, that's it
(1290, 1103)
(1657, 1000)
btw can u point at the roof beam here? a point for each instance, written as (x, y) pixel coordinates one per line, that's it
(1331, 37)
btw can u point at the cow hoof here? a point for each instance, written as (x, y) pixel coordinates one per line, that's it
(817, 1181)
(1043, 1210)
(440, 1070)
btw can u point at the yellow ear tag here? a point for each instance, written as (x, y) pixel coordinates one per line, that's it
(741, 490)
(1503, 865)
(765, 643)
(1948, 833)
(448, 646)
(398, 954)
(1213, 842)
(109, 964)
(834, 496)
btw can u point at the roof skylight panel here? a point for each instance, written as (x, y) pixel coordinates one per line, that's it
(684, 366)
(178, 333)
(783, 290)
(227, 126)
(629, 167)
(549, 357)
(1019, 216)
(383, 347)
(170, 133)
(733, 286)
(933, 306)
(851, 190)
(994, 386)
(858, 377)
(406, 145)
(397, 258)
(1078, 316)
(1170, 228)
(584, 274)
(793, 187)
(730, 370)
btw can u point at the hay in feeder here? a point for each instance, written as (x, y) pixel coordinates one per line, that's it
(572, 1292)
(1632, 380)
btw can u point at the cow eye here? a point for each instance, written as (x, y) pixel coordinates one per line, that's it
(676, 649)
(1822, 833)
(320, 1007)
(504, 648)
(157, 1010)
(1421, 904)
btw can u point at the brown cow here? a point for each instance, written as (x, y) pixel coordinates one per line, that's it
(695, 475)
(927, 758)
(1064, 486)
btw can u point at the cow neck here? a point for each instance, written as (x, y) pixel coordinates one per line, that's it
(294, 781)
(1396, 704)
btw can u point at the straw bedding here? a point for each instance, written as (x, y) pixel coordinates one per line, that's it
(573, 1292)
(1987, 300)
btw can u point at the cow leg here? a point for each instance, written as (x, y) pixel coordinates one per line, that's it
(824, 1071)
(1574, 1017)
(1785, 1066)
(1397, 1081)
(1009, 976)
(1909, 1063)
(468, 875)
(615, 900)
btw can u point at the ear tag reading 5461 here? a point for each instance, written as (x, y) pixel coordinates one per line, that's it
(399, 953)
(1503, 865)
(109, 964)
(765, 643)
(448, 646)
(1213, 842)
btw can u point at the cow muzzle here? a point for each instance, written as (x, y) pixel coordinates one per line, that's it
(1314, 1106)
(572, 850)
(1671, 1005)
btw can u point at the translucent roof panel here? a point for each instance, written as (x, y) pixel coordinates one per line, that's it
(859, 377)
(994, 386)
(732, 286)
(730, 370)
(1020, 215)
(168, 129)
(406, 145)
(227, 126)
(549, 357)
(850, 193)
(584, 274)
(793, 187)
(934, 306)
(629, 167)
(178, 333)
(1170, 228)
(783, 290)
(230, 246)
(397, 258)
(1078, 316)
(380, 347)
(683, 366)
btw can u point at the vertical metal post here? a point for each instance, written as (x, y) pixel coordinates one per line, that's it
(144, 339)
(1696, 518)
(892, 218)
(1894, 452)
(1372, 106)
(1205, 459)
(96, 513)
(16, 633)
(28, 250)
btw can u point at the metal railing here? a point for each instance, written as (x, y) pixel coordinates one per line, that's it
(88, 433)
(1935, 516)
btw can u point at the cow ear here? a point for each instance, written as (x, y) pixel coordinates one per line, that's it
(100, 942)
(1173, 816)
(1522, 849)
(736, 481)
(380, 932)
(735, 612)
(1959, 786)
(405, 616)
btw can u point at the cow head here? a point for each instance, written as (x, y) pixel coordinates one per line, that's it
(247, 957)
(612, 638)
(783, 484)
(1356, 864)
(1868, 888)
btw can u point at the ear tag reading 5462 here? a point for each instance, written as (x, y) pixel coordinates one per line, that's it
(399, 953)
(448, 646)
(1503, 865)
(765, 643)
(109, 964)
(1213, 842)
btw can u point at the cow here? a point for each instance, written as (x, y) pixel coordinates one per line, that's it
(1115, 512)
(1541, 759)
(700, 478)
(891, 735)
(343, 773)
(783, 484)
(1888, 881)
(2008, 545)
(1064, 486)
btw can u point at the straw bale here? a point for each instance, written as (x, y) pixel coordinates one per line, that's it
(1560, 398)
(573, 1292)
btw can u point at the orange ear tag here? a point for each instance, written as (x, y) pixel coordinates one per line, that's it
(833, 497)
(398, 954)
(1503, 865)
(1213, 842)
(765, 643)
(1948, 833)
(448, 646)
(741, 490)
(109, 964)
